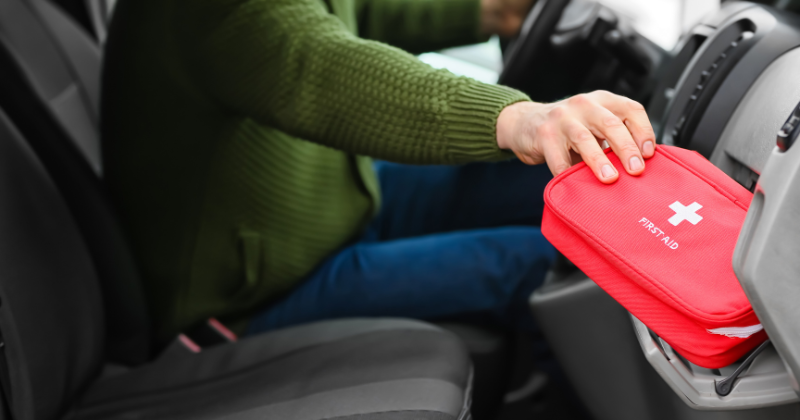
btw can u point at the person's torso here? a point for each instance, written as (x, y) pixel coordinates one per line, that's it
(224, 214)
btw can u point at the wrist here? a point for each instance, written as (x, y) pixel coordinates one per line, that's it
(508, 122)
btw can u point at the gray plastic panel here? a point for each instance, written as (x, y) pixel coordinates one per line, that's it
(746, 142)
(582, 323)
(756, 19)
(702, 106)
(749, 136)
(765, 383)
(592, 336)
(766, 259)
(727, 10)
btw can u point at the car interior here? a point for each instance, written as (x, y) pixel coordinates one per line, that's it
(75, 336)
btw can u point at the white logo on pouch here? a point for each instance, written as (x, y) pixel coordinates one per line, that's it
(658, 233)
(685, 213)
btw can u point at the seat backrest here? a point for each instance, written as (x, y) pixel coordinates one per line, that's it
(92, 15)
(128, 334)
(99, 12)
(62, 64)
(51, 313)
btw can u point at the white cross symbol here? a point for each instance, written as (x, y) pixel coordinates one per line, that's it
(685, 213)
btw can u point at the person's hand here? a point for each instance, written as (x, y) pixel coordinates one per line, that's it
(504, 17)
(564, 132)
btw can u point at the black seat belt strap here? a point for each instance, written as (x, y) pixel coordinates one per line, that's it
(725, 386)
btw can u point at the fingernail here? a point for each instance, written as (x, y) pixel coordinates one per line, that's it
(607, 171)
(636, 163)
(648, 148)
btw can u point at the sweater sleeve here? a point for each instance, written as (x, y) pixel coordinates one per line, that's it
(291, 65)
(419, 26)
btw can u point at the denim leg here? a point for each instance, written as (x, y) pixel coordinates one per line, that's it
(420, 200)
(490, 271)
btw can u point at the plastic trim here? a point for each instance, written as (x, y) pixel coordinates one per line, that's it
(765, 383)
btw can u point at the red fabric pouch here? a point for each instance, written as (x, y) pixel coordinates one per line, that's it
(661, 244)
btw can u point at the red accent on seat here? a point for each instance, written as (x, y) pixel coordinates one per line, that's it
(222, 329)
(191, 345)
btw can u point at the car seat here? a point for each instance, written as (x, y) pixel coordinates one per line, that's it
(91, 15)
(70, 300)
(53, 329)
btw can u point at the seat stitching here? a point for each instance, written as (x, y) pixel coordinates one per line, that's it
(257, 365)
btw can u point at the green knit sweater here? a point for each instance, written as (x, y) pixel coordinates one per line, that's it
(235, 135)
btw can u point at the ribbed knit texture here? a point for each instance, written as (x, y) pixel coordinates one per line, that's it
(205, 103)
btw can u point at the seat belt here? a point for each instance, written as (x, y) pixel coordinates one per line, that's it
(5, 382)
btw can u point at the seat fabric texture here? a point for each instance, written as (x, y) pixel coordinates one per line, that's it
(346, 369)
(62, 64)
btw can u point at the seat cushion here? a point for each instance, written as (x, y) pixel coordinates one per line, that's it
(361, 369)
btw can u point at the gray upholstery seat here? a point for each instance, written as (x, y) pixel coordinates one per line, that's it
(33, 70)
(359, 369)
(63, 67)
(51, 318)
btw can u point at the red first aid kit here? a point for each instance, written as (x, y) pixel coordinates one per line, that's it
(661, 244)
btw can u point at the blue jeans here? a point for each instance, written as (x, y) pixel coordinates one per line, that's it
(450, 242)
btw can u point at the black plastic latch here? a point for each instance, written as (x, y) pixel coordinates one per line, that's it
(725, 386)
(789, 130)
